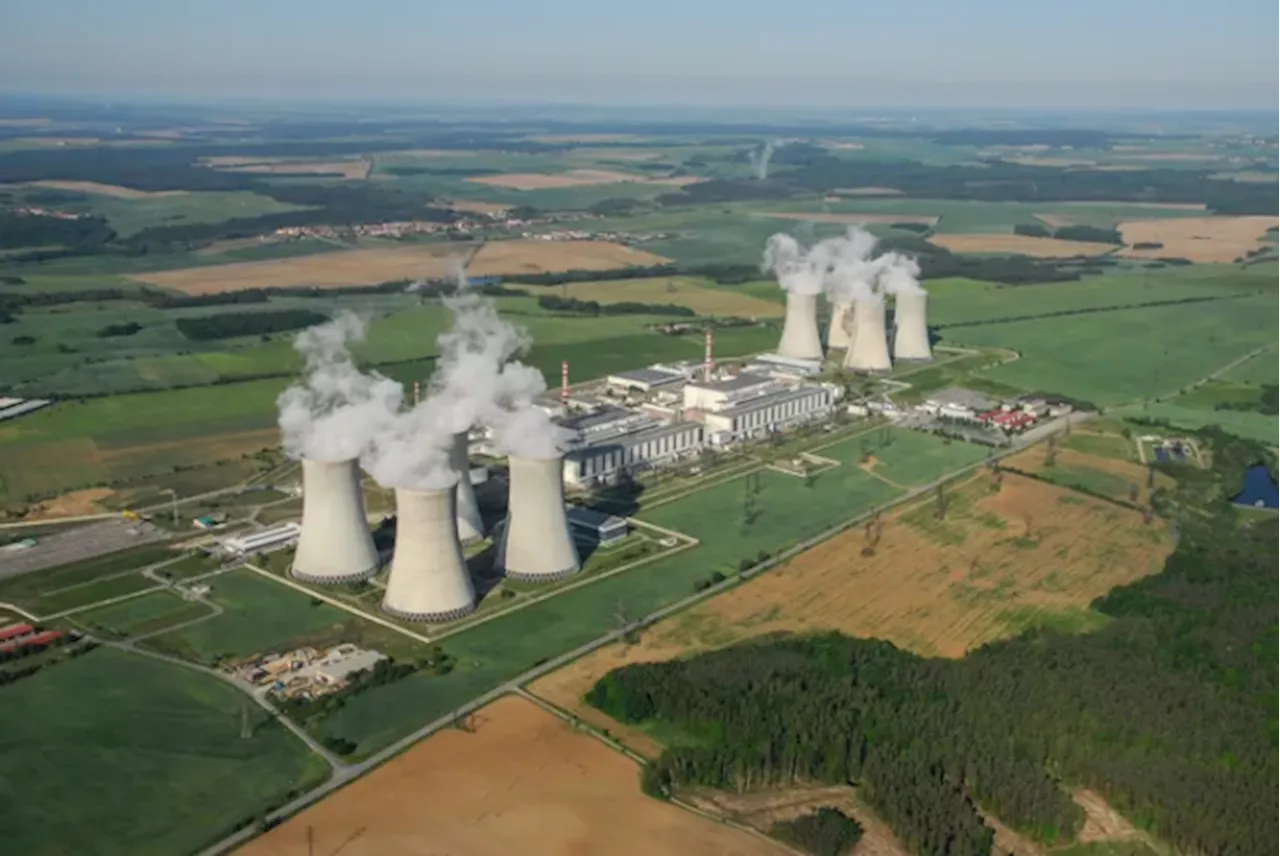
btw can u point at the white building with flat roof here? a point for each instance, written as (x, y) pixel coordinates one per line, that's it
(764, 414)
(648, 379)
(263, 541)
(603, 458)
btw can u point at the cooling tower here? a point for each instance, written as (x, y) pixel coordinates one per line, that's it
(536, 544)
(336, 545)
(911, 333)
(870, 351)
(470, 526)
(429, 580)
(840, 331)
(800, 330)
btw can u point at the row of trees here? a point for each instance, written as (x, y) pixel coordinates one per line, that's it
(232, 324)
(1092, 234)
(1168, 710)
(627, 307)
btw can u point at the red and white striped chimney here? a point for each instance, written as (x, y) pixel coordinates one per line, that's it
(707, 363)
(417, 393)
(564, 384)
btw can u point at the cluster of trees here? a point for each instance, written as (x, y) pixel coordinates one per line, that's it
(1267, 403)
(232, 324)
(1168, 710)
(36, 230)
(627, 307)
(127, 329)
(825, 832)
(1091, 234)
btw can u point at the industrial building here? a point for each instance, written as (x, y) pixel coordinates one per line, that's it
(956, 403)
(264, 541)
(753, 405)
(601, 458)
(647, 379)
(336, 545)
(596, 527)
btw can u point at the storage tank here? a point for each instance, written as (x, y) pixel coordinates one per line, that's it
(470, 526)
(336, 545)
(911, 326)
(840, 330)
(800, 328)
(536, 544)
(429, 580)
(870, 351)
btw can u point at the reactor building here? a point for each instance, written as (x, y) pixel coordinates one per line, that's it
(336, 545)
(800, 328)
(429, 580)
(911, 326)
(536, 544)
(870, 349)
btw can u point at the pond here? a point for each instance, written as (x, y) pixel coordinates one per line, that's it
(1260, 489)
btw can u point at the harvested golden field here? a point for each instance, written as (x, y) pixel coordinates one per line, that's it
(373, 266)
(523, 783)
(1103, 475)
(576, 178)
(1053, 221)
(73, 504)
(1173, 206)
(348, 169)
(1041, 160)
(852, 218)
(997, 563)
(471, 206)
(1020, 245)
(1247, 177)
(106, 189)
(517, 257)
(1200, 239)
(761, 809)
(681, 290)
(555, 139)
(868, 191)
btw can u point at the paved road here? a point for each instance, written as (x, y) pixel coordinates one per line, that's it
(515, 684)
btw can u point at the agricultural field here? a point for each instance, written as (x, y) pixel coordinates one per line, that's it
(263, 615)
(53, 590)
(1020, 245)
(1256, 426)
(161, 766)
(575, 178)
(997, 563)
(129, 215)
(1258, 370)
(1083, 469)
(1200, 239)
(519, 780)
(1116, 357)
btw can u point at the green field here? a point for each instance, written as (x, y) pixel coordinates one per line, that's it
(262, 616)
(68, 586)
(139, 615)
(1257, 371)
(912, 459)
(1255, 426)
(128, 216)
(1103, 446)
(160, 766)
(495, 652)
(1118, 356)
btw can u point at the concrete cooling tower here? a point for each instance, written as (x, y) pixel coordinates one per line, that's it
(800, 329)
(870, 351)
(536, 544)
(911, 327)
(470, 526)
(840, 331)
(336, 545)
(429, 580)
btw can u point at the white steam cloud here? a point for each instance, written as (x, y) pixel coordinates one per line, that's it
(337, 410)
(760, 157)
(843, 268)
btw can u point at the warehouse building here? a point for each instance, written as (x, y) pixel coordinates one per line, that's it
(595, 527)
(264, 541)
(646, 380)
(762, 415)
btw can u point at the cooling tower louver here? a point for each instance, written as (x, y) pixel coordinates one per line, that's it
(429, 580)
(335, 545)
(536, 544)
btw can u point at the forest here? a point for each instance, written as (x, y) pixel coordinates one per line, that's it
(1168, 710)
(232, 324)
(626, 307)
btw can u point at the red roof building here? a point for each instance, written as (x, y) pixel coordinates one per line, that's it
(15, 631)
(44, 638)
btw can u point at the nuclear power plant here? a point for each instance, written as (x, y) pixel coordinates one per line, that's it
(536, 543)
(870, 349)
(470, 526)
(335, 545)
(911, 327)
(800, 339)
(840, 330)
(429, 580)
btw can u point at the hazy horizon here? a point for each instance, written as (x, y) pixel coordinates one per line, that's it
(925, 55)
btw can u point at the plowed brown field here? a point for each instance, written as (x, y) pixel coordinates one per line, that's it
(998, 562)
(523, 783)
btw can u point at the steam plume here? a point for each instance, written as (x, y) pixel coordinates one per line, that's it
(899, 274)
(759, 159)
(336, 411)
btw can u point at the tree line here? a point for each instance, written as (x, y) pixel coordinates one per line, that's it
(1168, 710)
(232, 324)
(1091, 234)
(627, 307)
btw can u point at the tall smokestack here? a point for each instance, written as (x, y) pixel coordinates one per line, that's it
(564, 385)
(470, 526)
(429, 580)
(840, 330)
(911, 326)
(536, 544)
(800, 329)
(417, 393)
(336, 545)
(708, 363)
(870, 349)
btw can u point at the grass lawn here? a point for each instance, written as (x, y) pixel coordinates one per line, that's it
(1257, 371)
(911, 459)
(67, 586)
(1104, 446)
(118, 755)
(139, 615)
(1255, 426)
(128, 216)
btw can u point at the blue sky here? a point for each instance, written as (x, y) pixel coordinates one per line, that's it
(1159, 54)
